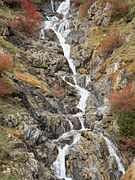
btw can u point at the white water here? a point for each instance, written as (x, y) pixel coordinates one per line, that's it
(113, 152)
(52, 5)
(61, 29)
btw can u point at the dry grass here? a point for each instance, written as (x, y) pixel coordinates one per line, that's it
(130, 173)
(31, 79)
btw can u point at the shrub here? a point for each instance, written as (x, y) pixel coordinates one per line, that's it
(128, 18)
(29, 23)
(123, 99)
(118, 9)
(5, 63)
(5, 89)
(127, 146)
(112, 41)
(126, 123)
(13, 3)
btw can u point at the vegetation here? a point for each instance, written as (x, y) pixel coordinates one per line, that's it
(127, 146)
(5, 65)
(118, 9)
(5, 62)
(4, 88)
(28, 24)
(123, 102)
(84, 6)
(112, 41)
(123, 99)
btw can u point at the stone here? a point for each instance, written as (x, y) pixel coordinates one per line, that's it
(82, 70)
(97, 76)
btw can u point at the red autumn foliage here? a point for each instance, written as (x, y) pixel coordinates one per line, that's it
(5, 89)
(31, 10)
(29, 23)
(112, 41)
(118, 9)
(127, 146)
(123, 99)
(5, 63)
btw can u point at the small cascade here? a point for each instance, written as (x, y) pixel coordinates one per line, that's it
(80, 83)
(64, 7)
(52, 5)
(59, 165)
(71, 125)
(113, 152)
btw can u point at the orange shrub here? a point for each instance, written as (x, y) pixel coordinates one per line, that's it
(118, 8)
(112, 41)
(123, 99)
(5, 63)
(4, 88)
(127, 146)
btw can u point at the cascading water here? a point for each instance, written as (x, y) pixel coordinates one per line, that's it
(61, 29)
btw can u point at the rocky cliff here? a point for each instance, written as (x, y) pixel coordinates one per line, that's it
(41, 108)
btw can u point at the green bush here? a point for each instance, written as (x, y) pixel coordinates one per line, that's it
(129, 17)
(126, 123)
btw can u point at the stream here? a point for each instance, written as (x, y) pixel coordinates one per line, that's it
(61, 28)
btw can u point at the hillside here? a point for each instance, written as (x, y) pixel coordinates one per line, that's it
(39, 90)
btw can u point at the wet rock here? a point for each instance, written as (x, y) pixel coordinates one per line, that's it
(50, 34)
(99, 116)
(83, 164)
(48, 107)
(54, 126)
(74, 36)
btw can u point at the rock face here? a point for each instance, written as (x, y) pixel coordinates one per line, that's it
(89, 159)
(39, 113)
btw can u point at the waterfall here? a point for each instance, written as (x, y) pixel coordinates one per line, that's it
(52, 5)
(61, 29)
(113, 152)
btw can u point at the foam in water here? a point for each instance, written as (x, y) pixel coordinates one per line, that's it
(113, 152)
(59, 165)
(64, 7)
(52, 5)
